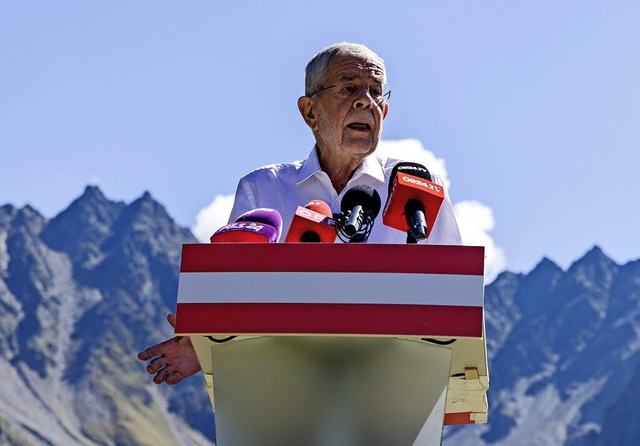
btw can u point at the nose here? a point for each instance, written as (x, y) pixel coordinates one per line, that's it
(363, 100)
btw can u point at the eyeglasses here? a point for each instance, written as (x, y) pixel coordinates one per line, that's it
(351, 91)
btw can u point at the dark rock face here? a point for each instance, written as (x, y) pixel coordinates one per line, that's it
(564, 355)
(80, 295)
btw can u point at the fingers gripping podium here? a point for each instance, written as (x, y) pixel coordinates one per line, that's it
(336, 343)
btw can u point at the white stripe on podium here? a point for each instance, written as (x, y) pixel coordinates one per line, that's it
(354, 288)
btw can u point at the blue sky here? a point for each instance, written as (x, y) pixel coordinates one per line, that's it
(533, 107)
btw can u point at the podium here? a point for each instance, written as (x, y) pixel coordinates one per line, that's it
(336, 343)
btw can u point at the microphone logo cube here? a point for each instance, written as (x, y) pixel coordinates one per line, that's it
(409, 187)
(308, 220)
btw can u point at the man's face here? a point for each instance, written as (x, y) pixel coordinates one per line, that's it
(348, 118)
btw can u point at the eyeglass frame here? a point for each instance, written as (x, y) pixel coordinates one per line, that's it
(384, 97)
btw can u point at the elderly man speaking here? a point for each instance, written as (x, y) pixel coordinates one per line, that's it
(344, 105)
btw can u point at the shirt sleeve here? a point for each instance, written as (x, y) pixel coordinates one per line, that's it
(244, 200)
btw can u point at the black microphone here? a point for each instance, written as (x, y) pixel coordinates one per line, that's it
(359, 208)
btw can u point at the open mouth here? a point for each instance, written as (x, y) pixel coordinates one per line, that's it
(359, 126)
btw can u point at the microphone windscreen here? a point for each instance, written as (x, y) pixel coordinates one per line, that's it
(245, 231)
(405, 188)
(267, 216)
(320, 207)
(361, 195)
(408, 167)
(312, 223)
(260, 225)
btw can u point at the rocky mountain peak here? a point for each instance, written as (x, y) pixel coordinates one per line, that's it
(7, 212)
(25, 219)
(536, 287)
(594, 270)
(83, 226)
(146, 225)
(81, 293)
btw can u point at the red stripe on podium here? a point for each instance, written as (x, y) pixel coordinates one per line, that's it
(332, 257)
(458, 418)
(348, 319)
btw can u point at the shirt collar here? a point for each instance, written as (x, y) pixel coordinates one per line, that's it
(370, 166)
(310, 166)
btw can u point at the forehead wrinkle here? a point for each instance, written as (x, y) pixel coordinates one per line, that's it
(349, 68)
(348, 77)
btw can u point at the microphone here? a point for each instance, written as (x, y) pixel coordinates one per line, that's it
(360, 206)
(312, 223)
(413, 202)
(261, 225)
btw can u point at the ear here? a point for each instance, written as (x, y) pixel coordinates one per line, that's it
(385, 110)
(305, 105)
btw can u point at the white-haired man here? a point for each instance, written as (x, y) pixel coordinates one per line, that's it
(344, 106)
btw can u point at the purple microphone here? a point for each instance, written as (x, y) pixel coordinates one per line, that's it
(260, 225)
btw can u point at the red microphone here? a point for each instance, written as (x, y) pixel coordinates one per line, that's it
(414, 201)
(312, 223)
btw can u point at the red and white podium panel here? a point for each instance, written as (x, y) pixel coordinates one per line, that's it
(297, 302)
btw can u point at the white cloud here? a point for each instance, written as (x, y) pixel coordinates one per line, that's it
(475, 221)
(212, 217)
(413, 150)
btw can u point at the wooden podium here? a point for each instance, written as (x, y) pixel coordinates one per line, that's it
(336, 343)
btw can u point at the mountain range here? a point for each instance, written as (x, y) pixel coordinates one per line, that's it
(83, 292)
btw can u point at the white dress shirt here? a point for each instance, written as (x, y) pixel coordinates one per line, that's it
(286, 186)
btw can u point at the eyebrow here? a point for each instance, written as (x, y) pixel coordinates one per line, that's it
(350, 77)
(346, 77)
